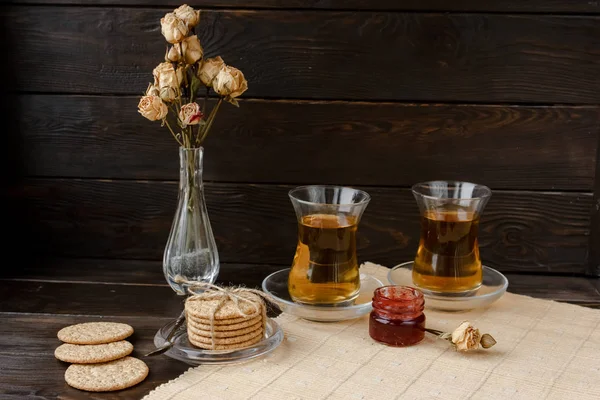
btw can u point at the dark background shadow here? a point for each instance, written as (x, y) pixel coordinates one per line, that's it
(18, 244)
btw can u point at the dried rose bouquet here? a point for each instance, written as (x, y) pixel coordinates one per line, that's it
(184, 77)
(179, 98)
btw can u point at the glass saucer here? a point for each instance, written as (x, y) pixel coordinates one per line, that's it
(276, 285)
(184, 351)
(493, 287)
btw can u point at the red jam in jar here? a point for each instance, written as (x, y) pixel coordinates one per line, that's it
(397, 318)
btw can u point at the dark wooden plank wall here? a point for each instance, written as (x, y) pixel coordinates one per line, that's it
(378, 94)
(433, 57)
(528, 6)
(594, 264)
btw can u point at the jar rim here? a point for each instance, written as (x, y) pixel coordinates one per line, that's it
(398, 293)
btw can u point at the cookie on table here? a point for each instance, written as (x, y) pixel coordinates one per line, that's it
(106, 377)
(95, 333)
(93, 353)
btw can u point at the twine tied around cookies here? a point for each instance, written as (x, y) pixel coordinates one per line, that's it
(222, 295)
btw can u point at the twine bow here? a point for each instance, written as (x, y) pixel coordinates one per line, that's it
(223, 295)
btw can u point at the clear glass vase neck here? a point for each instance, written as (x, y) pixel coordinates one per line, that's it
(190, 167)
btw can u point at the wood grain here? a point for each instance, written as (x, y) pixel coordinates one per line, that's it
(594, 265)
(77, 271)
(508, 147)
(560, 288)
(521, 231)
(27, 348)
(322, 55)
(536, 6)
(89, 299)
(124, 272)
(108, 300)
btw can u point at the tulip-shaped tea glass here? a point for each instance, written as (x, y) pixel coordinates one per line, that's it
(325, 268)
(447, 261)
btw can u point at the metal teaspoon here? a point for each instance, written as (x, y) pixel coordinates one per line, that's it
(169, 339)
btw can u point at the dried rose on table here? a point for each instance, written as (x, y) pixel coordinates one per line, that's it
(466, 337)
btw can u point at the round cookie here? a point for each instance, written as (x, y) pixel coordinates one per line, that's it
(225, 328)
(95, 333)
(202, 308)
(228, 340)
(234, 346)
(223, 334)
(225, 325)
(93, 353)
(106, 377)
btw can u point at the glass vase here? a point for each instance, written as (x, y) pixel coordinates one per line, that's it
(191, 251)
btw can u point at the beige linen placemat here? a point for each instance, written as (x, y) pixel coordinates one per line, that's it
(545, 350)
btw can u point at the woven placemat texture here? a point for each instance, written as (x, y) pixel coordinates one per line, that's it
(545, 350)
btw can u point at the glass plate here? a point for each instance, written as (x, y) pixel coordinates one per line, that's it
(186, 352)
(276, 285)
(493, 287)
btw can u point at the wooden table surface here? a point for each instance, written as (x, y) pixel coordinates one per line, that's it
(47, 296)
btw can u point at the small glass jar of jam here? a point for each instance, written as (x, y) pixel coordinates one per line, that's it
(397, 318)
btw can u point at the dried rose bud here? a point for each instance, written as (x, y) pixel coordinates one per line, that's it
(209, 69)
(191, 49)
(152, 108)
(152, 90)
(173, 29)
(487, 341)
(188, 15)
(167, 80)
(190, 114)
(230, 82)
(173, 54)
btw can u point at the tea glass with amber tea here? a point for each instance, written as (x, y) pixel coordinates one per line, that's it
(325, 268)
(447, 260)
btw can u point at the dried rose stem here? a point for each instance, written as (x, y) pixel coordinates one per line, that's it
(203, 113)
(205, 100)
(172, 133)
(210, 120)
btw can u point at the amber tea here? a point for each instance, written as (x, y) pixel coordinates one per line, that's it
(448, 256)
(325, 269)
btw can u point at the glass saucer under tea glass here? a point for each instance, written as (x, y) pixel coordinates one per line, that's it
(276, 285)
(184, 351)
(494, 285)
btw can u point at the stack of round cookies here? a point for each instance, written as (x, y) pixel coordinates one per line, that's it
(100, 357)
(225, 323)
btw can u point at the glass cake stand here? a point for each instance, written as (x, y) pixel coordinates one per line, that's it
(494, 285)
(184, 351)
(276, 285)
